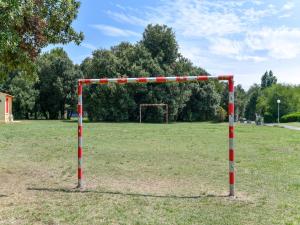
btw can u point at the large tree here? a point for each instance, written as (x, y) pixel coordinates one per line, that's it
(202, 104)
(240, 102)
(268, 79)
(155, 55)
(57, 83)
(253, 94)
(161, 43)
(24, 92)
(27, 26)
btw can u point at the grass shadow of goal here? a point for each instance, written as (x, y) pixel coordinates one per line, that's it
(148, 195)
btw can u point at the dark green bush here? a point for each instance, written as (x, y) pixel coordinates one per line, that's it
(292, 117)
(268, 118)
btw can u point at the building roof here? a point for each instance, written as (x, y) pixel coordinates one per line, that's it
(2, 93)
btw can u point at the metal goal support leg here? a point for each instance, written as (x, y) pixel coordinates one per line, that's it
(231, 137)
(80, 129)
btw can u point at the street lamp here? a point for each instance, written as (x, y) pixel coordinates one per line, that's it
(278, 102)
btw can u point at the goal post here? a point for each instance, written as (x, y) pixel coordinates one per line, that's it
(156, 105)
(123, 80)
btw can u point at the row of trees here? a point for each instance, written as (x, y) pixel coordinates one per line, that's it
(155, 55)
(51, 94)
(262, 99)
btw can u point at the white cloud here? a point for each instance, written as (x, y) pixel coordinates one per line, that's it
(129, 19)
(251, 58)
(89, 46)
(244, 37)
(254, 14)
(220, 22)
(280, 43)
(114, 31)
(192, 18)
(194, 53)
(223, 46)
(289, 6)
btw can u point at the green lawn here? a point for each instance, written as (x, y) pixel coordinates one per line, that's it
(148, 174)
(294, 124)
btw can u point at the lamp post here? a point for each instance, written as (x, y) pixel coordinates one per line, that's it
(278, 102)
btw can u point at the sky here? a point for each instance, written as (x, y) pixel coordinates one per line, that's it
(240, 37)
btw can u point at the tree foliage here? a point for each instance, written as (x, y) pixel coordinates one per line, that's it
(160, 41)
(268, 79)
(24, 92)
(203, 103)
(155, 55)
(240, 102)
(54, 92)
(253, 95)
(267, 102)
(28, 26)
(57, 83)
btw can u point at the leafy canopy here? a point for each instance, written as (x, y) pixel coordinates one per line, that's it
(268, 79)
(27, 26)
(57, 83)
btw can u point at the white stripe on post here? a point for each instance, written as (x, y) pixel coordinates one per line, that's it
(80, 128)
(231, 137)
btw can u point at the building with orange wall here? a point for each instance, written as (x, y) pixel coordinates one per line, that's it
(6, 107)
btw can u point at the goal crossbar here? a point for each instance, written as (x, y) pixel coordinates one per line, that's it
(125, 80)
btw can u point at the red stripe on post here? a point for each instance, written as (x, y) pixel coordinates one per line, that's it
(142, 80)
(79, 173)
(181, 79)
(231, 132)
(161, 79)
(122, 80)
(231, 108)
(79, 131)
(103, 81)
(202, 78)
(231, 85)
(79, 89)
(231, 155)
(79, 110)
(79, 152)
(231, 177)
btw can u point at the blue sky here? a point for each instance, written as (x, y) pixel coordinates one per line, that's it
(240, 37)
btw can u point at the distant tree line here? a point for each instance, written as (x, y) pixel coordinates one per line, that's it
(262, 99)
(51, 94)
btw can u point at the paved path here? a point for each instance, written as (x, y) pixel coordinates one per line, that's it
(283, 126)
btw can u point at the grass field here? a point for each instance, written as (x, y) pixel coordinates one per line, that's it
(147, 174)
(294, 124)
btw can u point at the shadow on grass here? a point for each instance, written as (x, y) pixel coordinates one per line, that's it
(75, 190)
(115, 122)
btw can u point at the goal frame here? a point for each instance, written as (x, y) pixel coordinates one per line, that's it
(124, 80)
(156, 105)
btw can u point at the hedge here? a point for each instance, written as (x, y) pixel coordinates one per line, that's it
(292, 117)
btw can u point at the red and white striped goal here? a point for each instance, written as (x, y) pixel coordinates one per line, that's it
(123, 80)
